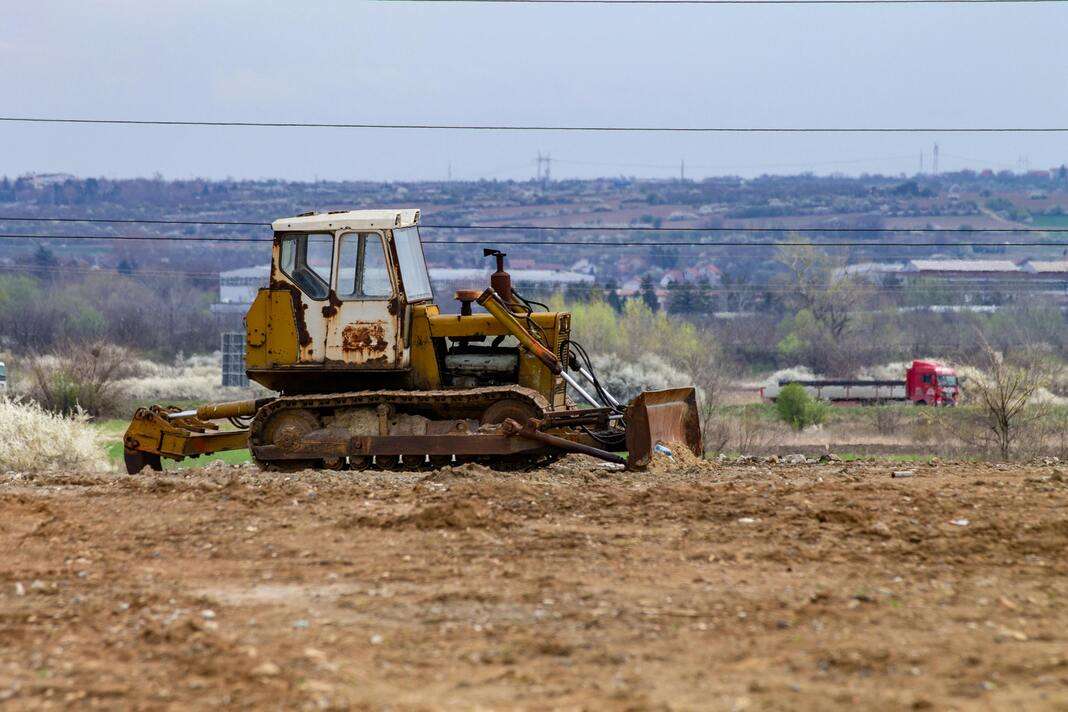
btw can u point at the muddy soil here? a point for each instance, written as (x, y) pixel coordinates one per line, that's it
(695, 586)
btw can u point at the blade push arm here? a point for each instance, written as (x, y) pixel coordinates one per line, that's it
(492, 303)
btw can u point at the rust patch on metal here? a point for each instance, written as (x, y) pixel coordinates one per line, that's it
(302, 324)
(330, 309)
(366, 337)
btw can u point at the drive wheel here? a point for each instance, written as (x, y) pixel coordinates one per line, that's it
(287, 429)
(517, 410)
(521, 412)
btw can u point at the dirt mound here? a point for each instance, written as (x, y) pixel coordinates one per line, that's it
(450, 514)
(680, 459)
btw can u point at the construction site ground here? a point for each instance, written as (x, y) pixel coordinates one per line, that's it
(693, 586)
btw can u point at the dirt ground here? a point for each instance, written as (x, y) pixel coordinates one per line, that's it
(697, 586)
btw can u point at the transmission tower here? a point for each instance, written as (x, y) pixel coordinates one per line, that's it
(545, 165)
(934, 161)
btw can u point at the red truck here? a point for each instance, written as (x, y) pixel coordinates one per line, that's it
(926, 383)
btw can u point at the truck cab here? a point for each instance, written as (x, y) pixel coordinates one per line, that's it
(3, 377)
(931, 383)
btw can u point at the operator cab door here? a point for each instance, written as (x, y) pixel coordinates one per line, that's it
(362, 326)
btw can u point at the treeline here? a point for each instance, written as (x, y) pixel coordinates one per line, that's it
(814, 313)
(41, 313)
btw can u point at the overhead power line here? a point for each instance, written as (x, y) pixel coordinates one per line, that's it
(134, 221)
(734, 2)
(164, 238)
(1000, 285)
(587, 243)
(577, 228)
(558, 127)
(780, 230)
(107, 271)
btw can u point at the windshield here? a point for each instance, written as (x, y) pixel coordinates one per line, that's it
(947, 381)
(412, 264)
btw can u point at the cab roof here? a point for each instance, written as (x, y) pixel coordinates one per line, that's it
(355, 219)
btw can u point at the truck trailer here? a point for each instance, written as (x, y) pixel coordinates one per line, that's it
(925, 383)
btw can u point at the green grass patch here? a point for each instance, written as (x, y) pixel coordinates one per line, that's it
(113, 429)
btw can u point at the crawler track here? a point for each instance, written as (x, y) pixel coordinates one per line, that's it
(439, 405)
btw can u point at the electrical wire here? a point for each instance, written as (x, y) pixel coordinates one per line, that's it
(587, 243)
(132, 221)
(574, 128)
(1016, 286)
(110, 272)
(732, 2)
(580, 228)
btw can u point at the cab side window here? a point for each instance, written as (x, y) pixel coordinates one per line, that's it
(926, 378)
(363, 272)
(308, 261)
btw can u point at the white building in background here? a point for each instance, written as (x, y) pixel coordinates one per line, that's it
(965, 270)
(239, 286)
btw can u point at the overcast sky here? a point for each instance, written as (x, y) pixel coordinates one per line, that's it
(984, 65)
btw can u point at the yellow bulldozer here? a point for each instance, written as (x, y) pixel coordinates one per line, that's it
(370, 374)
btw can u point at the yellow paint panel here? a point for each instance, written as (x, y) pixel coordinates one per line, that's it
(424, 361)
(454, 325)
(271, 329)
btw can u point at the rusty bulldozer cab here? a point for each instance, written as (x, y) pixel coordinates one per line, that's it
(371, 374)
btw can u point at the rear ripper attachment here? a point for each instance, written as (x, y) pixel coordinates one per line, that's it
(373, 375)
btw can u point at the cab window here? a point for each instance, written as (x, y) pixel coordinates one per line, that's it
(362, 269)
(308, 260)
(412, 264)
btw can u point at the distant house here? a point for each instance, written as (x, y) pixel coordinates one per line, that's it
(1049, 278)
(961, 270)
(873, 271)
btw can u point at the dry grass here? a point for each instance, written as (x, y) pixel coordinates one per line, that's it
(193, 378)
(80, 378)
(32, 439)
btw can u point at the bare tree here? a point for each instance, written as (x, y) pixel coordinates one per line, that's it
(1005, 395)
(827, 302)
(80, 377)
(821, 286)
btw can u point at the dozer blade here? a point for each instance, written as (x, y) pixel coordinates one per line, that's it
(667, 417)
